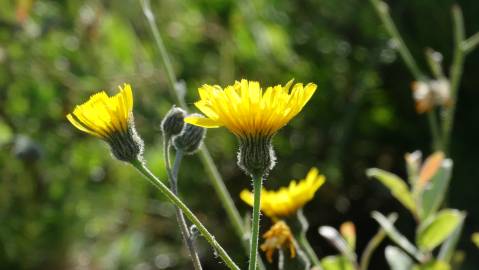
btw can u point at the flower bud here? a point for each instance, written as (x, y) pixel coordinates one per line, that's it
(173, 123)
(126, 146)
(190, 139)
(256, 155)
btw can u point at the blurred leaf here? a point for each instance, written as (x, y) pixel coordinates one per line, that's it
(5, 133)
(397, 259)
(413, 165)
(475, 239)
(396, 236)
(434, 265)
(435, 230)
(336, 263)
(434, 192)
(396, 185)
(430, 168)
(333, 236)
(348, 231)
(449, 246)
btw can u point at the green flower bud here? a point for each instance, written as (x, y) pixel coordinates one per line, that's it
(256, 155)
(190, 138)
(173, 123)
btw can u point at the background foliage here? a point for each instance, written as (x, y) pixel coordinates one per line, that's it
(65, 204)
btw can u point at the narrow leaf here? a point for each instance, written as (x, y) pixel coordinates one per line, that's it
(434, 192)
(396, 185)
(333, 236)
(436, 229)
(449, 246)
(397, 259)
(430, 168)
(396, 236)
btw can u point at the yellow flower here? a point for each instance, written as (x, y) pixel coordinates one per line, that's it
(277, 237)
(111, 119)
(287, 200)
(247, 111)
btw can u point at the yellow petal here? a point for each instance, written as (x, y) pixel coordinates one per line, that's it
(202, 122)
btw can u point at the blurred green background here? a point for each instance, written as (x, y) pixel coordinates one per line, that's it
(66, 204)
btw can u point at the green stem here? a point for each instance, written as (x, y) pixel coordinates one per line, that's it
(211, 169)
(141, 167)
(253, 255)
(382, 10)
(303, 239)
(373, 245)
(455, 74)
(173, 176)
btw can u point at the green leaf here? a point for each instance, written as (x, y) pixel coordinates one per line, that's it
(5, 133)
(449, 246)
(396, 236)
(396, 185)
(434, 192)
(337, 240)
(436, 229)
(434, 265)
(475, 239)
(336, 263)
(397, 259)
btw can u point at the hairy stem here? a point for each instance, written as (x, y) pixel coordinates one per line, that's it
(211, 169)
(141, 167)
(253, 255)
(173, 176)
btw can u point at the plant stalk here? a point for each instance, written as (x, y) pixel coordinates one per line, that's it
(141, 167)
(303, 239)
(253, 255)
(173, 176)
(211, 169)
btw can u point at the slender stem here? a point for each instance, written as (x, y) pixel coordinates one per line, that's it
(303, 239)
(257, 184)
(211, 169)
(455, 74)
(435, 132)
(281, 260)
(191, 217)
(173, 176)
(471, 43)
(373, 245)
(382, 10)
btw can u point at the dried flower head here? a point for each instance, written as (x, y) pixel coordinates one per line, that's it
(287, 200)
(111, 119)
(428, 94)
(279, 236)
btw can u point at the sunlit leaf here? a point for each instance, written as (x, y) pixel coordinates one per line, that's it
(397, 259)
(436, 229)
(396, 185)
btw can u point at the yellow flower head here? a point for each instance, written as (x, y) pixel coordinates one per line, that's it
(248, 111)
(111, 119)
(287, 200)
(277, 237)
(253, 115)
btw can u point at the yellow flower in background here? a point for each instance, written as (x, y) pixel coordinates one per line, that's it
(111, 119)
(248, 111)
(287, 200)
(277, 237)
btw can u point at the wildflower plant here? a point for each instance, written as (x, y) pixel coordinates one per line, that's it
(254, 116)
